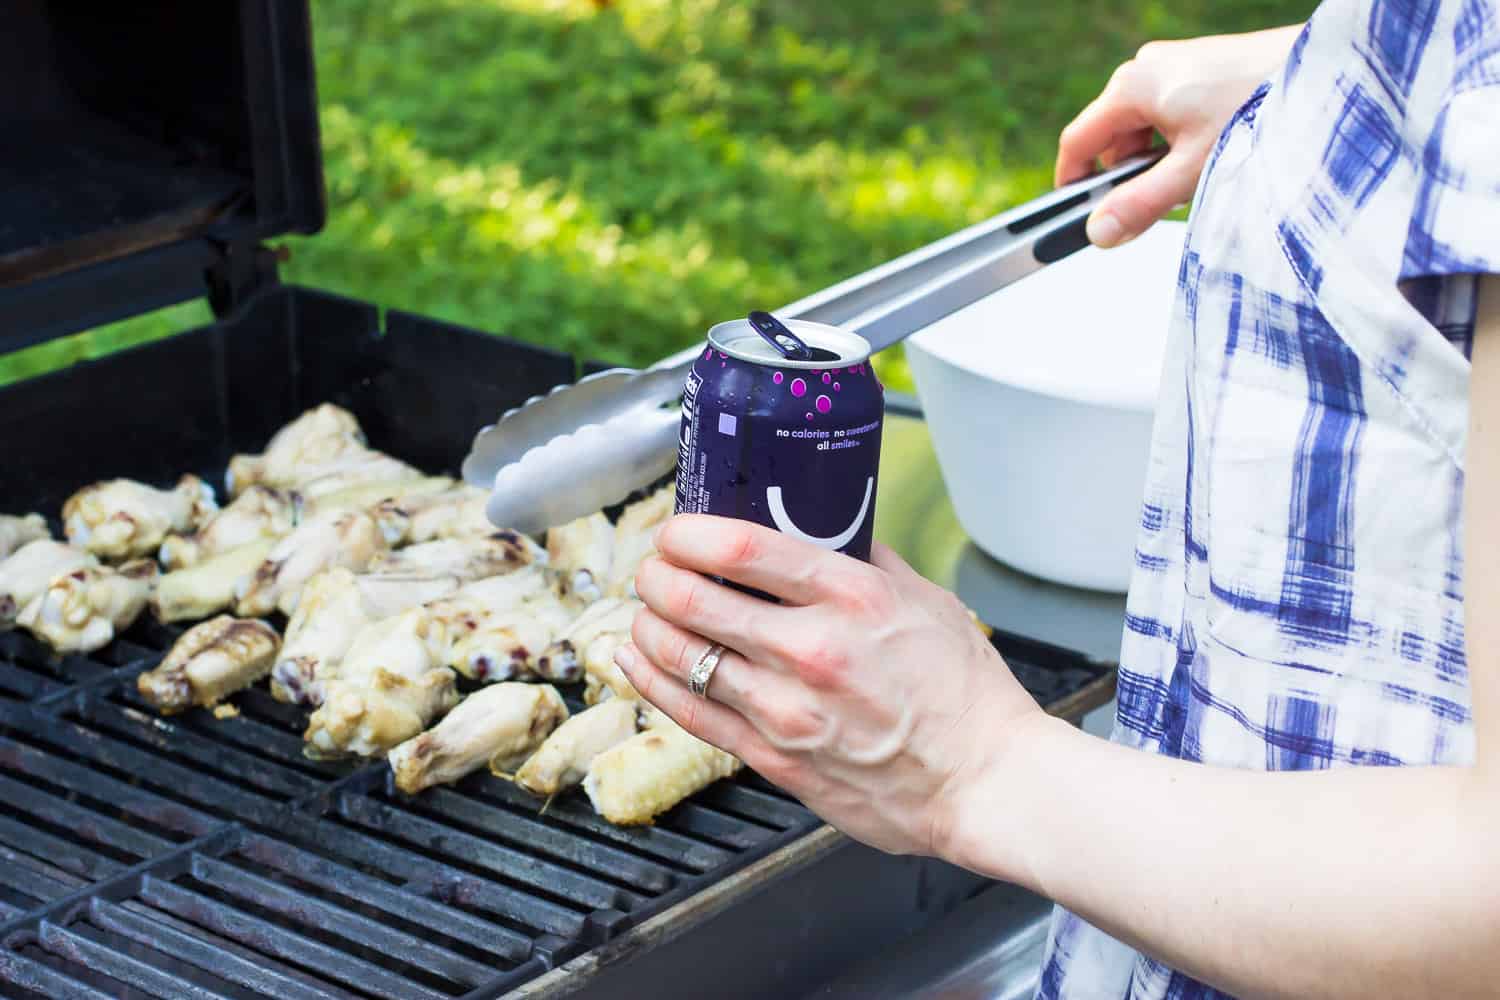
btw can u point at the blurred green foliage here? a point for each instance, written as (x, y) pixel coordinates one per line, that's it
(612, 177)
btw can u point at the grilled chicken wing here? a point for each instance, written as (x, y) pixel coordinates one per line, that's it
(422, 640)
(329, 541)
(81, 611)
(465, 613)
(635, 535)
(364, 496)
(502, 724)
(564, 757)
(317, 437)
(259, 512)
(581, 551)
(389, 688)
(334, 606)
(602, 677)
(354, 469)
(211, 661)
(210, 586)
(123, 519)
(25, 575)
(323, 451)
(454, 513)
(472, 558)
(508, 643)
(16, 531)
(563, 660)
(635, 781)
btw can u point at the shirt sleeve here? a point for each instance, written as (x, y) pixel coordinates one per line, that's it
(1455, 227)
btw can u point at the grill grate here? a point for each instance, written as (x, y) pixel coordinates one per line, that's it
(191, 856)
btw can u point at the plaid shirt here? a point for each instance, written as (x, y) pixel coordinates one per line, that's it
(1297, 601)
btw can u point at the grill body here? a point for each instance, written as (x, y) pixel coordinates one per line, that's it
(196, 856)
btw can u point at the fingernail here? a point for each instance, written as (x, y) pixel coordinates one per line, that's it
(1104, 229)
(625, 658)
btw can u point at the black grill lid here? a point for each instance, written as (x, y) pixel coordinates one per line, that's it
(146, 150)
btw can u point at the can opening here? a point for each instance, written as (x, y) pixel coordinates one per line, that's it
(827, 345)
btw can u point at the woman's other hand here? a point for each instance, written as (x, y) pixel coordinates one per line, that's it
(870, 694)
(1187, 91)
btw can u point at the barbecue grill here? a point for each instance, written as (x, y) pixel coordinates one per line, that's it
(152, 150)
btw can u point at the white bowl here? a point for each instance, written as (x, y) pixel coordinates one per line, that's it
(1040, 399)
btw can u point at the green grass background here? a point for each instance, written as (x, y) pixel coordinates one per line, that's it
(611, 178)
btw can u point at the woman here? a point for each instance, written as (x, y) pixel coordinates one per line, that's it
(1317, 581)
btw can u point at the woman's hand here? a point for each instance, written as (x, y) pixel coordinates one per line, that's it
(1187, 91)
(869, 694)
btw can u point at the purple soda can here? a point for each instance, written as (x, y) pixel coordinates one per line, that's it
(791, 444)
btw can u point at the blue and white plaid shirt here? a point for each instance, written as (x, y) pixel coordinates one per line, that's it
(1297, 601)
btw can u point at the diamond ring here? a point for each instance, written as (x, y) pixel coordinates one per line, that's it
(703, 670)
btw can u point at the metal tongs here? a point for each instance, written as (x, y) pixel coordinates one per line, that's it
(590, 444)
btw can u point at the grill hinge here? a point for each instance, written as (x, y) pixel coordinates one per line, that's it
(242, 270)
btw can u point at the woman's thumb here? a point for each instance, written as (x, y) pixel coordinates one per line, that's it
(1130, 209)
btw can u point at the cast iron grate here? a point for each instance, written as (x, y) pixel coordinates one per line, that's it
(193, 856)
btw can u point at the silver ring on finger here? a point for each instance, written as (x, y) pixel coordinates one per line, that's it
(703, 670)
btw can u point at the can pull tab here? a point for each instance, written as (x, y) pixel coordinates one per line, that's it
(775, 333)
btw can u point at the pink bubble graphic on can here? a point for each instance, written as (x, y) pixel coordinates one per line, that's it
(778, 378)
(799, 388)
(824, 404)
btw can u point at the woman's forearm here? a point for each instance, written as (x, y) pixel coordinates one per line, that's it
(1358, 882)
